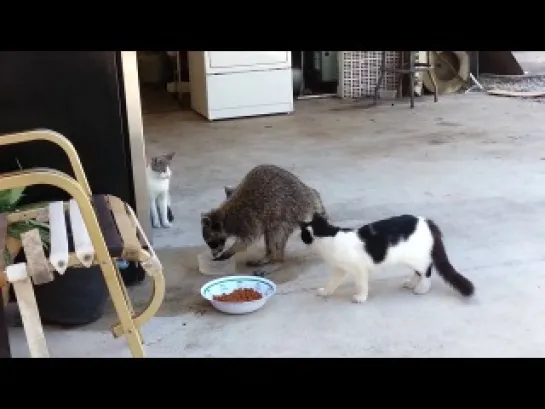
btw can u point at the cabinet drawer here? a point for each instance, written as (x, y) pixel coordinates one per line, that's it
(247, 89)
(237, 60)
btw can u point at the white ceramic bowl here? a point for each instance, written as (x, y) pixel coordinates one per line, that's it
(226, 285)
(209, 267)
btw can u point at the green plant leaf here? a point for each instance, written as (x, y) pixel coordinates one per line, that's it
(16, 229)
(15, 195)
(39, 224)
(4, 197)
(9, 198)
(7, 257)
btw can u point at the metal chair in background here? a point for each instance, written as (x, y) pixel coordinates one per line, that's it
(411, 69)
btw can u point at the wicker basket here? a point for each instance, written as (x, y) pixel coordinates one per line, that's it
(359, 72)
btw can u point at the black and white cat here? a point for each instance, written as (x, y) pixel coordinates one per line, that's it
(407, 240)
(158, 175)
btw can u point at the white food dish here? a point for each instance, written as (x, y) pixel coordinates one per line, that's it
(226, 285)
(209, 267)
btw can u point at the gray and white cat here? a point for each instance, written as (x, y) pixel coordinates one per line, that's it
(407, 240)
(158, 175)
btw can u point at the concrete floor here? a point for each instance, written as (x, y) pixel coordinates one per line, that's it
(474, 163)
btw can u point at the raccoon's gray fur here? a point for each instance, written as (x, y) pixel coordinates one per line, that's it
(269, 201)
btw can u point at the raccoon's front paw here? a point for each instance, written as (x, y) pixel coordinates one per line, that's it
(267, 270)
(323, 292)
(260, 273)
(258, 263)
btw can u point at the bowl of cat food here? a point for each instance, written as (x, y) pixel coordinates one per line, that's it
(238, 294)
(209, 267)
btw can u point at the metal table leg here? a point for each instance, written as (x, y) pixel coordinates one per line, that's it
(381, 76)
(411, 77)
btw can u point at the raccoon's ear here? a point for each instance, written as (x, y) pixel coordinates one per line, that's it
(206, 221)
(228, 191)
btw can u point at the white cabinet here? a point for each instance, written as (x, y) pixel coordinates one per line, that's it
(233, 84)
(232, 61)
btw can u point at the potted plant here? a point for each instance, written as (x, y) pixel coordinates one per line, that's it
(75, 298)
(9, 199)
(8, 203)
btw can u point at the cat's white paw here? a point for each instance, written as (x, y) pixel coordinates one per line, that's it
(166, 225)
(410, 283)
(359, 298)
(423, 286)
(155, 225)
(322, 292)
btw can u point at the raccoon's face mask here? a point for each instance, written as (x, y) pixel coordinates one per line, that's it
(213, 234)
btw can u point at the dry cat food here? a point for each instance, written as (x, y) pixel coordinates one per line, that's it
(239, 295)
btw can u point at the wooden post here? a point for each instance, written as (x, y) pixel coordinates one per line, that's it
(32, 324)
(5, 350)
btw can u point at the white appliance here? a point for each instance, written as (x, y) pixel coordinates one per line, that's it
(234, 84)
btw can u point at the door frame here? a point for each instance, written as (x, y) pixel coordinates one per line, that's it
(133, 106)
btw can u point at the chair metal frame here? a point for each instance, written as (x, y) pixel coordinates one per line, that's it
(78, 188)
(411, 70)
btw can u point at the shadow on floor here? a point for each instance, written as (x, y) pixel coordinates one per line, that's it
(156, 100)
(183, 282)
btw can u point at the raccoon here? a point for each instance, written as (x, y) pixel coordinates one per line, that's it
(269, 201)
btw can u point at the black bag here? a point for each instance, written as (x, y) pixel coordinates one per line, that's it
(77, 297)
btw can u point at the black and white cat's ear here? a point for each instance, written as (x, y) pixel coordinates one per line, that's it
(228, 191)
(169, 156)
(317, 217)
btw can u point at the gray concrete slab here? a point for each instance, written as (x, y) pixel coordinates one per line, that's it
(474, 163)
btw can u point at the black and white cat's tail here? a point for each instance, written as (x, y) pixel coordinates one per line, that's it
(442, 264)
(170, 215)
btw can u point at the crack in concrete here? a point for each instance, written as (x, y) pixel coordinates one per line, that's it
(297, 291)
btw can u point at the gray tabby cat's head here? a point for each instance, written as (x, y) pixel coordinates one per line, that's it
(161, 165)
